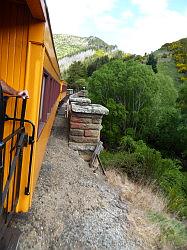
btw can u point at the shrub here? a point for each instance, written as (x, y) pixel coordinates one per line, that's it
(172, 230)
(144, 164)
(147, 215)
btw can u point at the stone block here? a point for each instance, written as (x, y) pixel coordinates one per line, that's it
(97, 116)
(76, 125)
(85, 124)
(82, 146)
(96, 120)
(94, 126)
(77, 132)
(80, 119)
(89, 109)
(80, 100)
(92, 133)
(82, 115)
(82, 139)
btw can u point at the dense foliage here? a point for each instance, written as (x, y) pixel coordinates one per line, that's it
(146, 165)
(78, 72)
(153, 62)
(145, 109)
(96, 64)
(145, 133)
(178, 51)
(137, 99)
(76, 75)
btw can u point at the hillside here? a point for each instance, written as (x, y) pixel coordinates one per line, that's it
(66, 61)
(172, 60)
(74, 208)
(68, 45)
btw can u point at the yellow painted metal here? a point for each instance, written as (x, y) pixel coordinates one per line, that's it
(63, 93)
(13, 53)
(51, 58)
(37, 9)
(26, 48)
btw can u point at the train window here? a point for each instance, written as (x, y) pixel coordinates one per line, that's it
(42, 96)
(49, 94)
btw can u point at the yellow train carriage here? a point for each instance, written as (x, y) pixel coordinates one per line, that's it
(27, 61)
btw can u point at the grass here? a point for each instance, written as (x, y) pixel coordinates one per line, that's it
(148, 217)
(169, 68)
(172, 56)
(172, 230)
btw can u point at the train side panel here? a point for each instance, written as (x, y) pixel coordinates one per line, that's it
(50, 67)
(28, 61)
(14, 31)
(43, 64)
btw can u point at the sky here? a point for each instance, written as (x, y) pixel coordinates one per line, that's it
(135, 26)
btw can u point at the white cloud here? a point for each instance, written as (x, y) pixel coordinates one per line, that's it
(69, 16)
(151, 6)
(127, 14)
(155, 24)
(106, 23)
(97, 7)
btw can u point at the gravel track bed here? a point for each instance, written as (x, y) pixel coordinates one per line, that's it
(73, 208)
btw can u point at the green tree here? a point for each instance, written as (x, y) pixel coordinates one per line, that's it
(182, 100)
(75, 72)
(153, 62)
(96, 64)
(171, 135)
(133, 89)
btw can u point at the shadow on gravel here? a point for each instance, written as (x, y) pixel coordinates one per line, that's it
(60, 127)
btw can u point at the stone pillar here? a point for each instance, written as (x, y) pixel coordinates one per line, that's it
(85, 125)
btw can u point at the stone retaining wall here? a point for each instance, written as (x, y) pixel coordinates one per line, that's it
(85, 124)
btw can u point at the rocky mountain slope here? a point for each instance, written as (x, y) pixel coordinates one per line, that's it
(72, 49)
(66, 61)
(68, 45)
(172, 57)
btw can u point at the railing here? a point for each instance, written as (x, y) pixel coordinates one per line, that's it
(11, 155)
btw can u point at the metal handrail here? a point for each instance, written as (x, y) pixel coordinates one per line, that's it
(31, 142)
(15, 161)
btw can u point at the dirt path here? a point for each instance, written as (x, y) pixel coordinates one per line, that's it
(73, 208)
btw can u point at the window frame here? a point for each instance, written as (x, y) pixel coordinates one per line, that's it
(50, 91)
